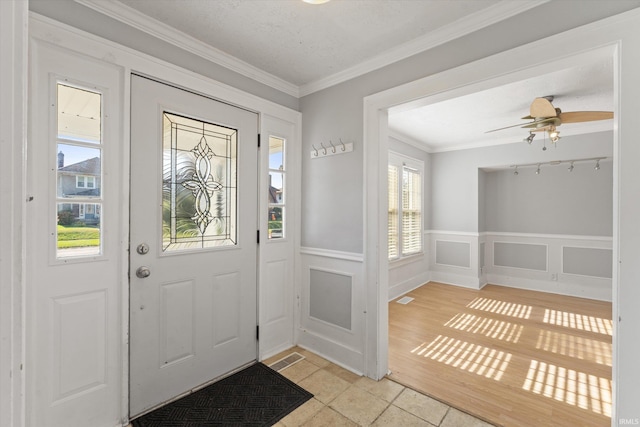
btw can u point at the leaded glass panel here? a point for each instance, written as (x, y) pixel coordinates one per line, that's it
(198, 184)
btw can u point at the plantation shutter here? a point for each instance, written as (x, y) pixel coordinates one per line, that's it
(411, 211)
(393, 211)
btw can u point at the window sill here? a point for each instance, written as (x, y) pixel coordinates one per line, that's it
(409, 259)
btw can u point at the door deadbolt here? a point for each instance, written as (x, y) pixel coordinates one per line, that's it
(142, 249)
(143, 272)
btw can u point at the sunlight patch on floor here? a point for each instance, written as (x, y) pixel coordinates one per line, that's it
(492, 328)
(574, 346)
(575, 388)
(579, 321)
(473, 358)
(521, 311)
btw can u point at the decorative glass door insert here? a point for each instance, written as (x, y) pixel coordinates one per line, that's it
(199, 184)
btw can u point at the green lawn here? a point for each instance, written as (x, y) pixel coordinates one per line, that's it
(78, 237)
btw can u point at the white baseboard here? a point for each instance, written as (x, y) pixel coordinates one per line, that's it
(408, 285)
(455, 279)
(600, 293)
(335, 352)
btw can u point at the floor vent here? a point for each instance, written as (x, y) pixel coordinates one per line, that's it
(286, 361)
(404, 300)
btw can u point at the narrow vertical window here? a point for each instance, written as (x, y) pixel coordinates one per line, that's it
(405, 218)
(78, 163)
(411, 211)
(277, 180)
(393, 212)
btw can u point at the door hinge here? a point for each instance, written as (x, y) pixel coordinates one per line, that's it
(257, 332)
(258, 236)
(258, 140)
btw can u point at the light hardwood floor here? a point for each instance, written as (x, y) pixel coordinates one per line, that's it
(510, 356)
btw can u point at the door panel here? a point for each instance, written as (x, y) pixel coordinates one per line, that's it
(194, 207)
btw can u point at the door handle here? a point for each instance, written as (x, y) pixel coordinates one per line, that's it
(143, 272)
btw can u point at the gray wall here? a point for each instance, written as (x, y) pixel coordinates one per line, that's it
(553, 202)
(455, 178)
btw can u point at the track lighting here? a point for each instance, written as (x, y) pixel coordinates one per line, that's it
(529, 139)
(570, 162)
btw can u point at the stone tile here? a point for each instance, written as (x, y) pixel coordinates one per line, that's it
(422, 406)
(303, 413)
(457, 418)
(329, 418)
(359, 406)
(394, 417)
(324, 385)
(384, 389)
(312, 357)
(340, 372)
(299, 371)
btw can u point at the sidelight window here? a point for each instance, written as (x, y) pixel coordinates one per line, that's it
(78, 160)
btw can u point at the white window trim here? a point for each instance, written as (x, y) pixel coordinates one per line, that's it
(401, 161)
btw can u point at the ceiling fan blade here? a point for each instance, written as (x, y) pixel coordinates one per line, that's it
(551, 121)
(585, 116)
(542, 107)
(525, 125)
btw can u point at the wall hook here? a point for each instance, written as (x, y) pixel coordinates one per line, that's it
(343, 146)
(315, 149)
(333, 147)
(324, 149)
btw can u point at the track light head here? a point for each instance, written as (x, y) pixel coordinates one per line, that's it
(597, 166)
(529, 139)
(570, 168)
(538, 170)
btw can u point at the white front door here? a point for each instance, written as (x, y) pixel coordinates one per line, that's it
(193, 242)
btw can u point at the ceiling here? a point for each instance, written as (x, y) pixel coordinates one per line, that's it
(300, 48)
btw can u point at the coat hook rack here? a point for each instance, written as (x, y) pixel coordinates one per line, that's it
(332, 149)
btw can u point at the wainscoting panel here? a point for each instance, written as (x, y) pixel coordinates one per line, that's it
(564, 264)
(455, 254)
(453, 258)
(520, 255)
(593, 262)
(332, 306)
(330, 297)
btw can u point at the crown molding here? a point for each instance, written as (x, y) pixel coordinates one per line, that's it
(474, 22)
(410, 141)
(166, 33)
(483, 18)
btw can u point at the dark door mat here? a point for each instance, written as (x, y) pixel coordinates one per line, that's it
(255, 396)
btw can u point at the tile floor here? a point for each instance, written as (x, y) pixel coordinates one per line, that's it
(342, 398)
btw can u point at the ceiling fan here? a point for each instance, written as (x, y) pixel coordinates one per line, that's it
(546, 117)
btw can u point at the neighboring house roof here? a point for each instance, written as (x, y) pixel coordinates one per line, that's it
(85, 167)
